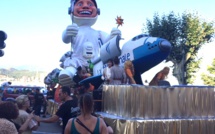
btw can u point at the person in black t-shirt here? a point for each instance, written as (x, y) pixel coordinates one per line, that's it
(38, 102)
(67, 110)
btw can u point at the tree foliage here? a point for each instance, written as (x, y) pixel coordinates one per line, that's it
(209, 79)
(187, 34)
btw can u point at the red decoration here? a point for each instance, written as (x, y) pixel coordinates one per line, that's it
(119, 21)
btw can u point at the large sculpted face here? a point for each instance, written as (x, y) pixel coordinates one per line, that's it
(85, 8)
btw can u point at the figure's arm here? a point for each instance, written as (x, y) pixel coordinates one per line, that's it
(114, 32)
(66, 39)
(70, 33)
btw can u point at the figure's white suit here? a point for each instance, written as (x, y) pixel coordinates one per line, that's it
(85, 42)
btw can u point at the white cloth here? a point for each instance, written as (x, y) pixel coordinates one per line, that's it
(107, 73)
(85, 34)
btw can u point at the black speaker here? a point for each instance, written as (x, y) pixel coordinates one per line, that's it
(97, 94)
(97, 97)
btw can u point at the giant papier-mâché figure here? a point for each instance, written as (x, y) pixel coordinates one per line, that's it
(85, 41)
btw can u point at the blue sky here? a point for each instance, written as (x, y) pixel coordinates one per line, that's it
(34, 27)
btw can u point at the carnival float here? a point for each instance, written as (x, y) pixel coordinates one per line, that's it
(132, 109)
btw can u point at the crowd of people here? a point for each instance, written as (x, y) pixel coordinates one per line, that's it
(115, 74)
(18, 116)
(76, 111)
(14, 118)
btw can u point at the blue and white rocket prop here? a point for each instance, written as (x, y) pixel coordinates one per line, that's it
(144, 51)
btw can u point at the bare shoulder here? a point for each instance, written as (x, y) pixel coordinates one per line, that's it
(103, 127)
(70, 120)
(69, 123)
(68, 126)
(102, 122)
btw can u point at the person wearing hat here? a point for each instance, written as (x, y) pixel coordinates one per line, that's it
(85, 41)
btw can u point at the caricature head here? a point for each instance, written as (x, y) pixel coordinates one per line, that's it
(85, 8)
(81, 10)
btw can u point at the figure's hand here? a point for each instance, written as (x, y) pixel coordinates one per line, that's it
(72, 30)
(115, 32)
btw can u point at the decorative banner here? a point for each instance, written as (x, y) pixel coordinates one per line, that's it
(151, 102)
(137, 109)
